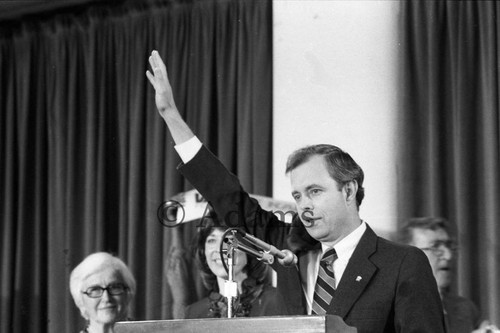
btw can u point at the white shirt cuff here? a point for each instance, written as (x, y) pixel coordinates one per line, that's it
(188, 149)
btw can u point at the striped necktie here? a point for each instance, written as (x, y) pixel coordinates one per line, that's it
(325, 283)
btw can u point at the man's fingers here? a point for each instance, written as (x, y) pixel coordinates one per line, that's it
(157, 76)
(158, 73)
(153, 59)
(157, 58)
(156, 79)
(152, 62)
(158, 63)
(150, 77)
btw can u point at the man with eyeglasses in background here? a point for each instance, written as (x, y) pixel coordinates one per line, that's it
(431, 235)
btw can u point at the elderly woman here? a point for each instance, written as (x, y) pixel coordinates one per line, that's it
(255, 296)
(102, 287)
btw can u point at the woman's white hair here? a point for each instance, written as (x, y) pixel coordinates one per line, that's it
(92, 264)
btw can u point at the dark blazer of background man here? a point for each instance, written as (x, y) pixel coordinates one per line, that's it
(382, 287)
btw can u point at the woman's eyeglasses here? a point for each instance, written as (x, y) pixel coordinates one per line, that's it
(113, 290)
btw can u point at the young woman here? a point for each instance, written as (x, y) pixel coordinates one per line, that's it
(255, 297)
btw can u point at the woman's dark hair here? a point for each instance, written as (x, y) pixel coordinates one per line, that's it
(255, 269)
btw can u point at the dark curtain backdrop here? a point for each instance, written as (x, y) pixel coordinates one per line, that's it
(450, 135)
(85, 160)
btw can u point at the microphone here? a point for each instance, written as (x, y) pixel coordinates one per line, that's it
(260, 255)
(287, 257)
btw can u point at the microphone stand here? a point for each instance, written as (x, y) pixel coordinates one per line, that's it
(230, 286)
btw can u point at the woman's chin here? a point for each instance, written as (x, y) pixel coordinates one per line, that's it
(109, 316)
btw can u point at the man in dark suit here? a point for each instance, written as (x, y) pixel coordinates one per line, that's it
(373, 284)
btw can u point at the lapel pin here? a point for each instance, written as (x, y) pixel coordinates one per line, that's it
(358, 278)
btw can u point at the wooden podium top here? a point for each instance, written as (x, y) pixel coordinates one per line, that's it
(282, 324)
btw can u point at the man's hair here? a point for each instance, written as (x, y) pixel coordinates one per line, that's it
(341, 166)
(427, 223)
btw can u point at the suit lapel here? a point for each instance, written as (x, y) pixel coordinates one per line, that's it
(357, 275)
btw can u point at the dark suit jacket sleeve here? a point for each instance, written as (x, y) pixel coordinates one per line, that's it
(418, 307)
(232, 204)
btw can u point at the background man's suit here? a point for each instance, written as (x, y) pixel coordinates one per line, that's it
(386, 287)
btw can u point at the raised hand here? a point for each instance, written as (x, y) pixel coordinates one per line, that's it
(159, 80)
(165, 100)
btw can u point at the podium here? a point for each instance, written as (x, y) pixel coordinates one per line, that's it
(281, 324)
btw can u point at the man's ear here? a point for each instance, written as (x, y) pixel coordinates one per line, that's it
(350, 190)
